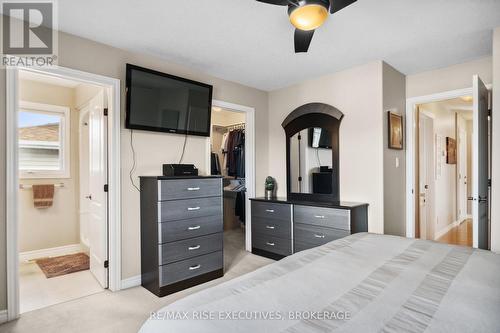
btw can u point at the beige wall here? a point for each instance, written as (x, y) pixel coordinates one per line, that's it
(394, 99)
(449, 78)
(153, 149)
(357, 93)
(58, 225)
(495, 196)
(84, 93)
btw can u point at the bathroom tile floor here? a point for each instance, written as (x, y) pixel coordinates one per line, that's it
(36, 291)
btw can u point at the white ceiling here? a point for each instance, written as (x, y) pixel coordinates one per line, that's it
(462, 106)
(252, 43)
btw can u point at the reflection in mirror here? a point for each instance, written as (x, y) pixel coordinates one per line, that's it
(311, 161)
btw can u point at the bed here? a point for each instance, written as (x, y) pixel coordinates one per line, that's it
(361, 283)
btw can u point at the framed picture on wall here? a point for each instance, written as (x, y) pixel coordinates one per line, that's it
(395, 130)
(451, 151)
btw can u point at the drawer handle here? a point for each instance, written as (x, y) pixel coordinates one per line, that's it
(192, 248)
(319, 236)
(193, 189)
(270, 244)
(270, 227)
(193, 268)
(194, 228)
(319, 216)
(270, 210)
(193, 208)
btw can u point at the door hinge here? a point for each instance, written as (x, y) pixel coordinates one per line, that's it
(106, 188)
(489, 182)
(106, 264)
(489, 112)
(300, 179)
(106, 111)
(299, 137)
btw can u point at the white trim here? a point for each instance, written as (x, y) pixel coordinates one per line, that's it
(50, 252)
(112, 87)
(249, 159)
(450, 226)
(3, 316)
(131, 282)
(411, 104)
(12, 95)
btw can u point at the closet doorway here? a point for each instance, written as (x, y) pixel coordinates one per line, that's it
(231, 156)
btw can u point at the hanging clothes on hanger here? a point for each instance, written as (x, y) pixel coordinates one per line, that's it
(239, 207)
(236, 153)
(215, 164)
(225, 136)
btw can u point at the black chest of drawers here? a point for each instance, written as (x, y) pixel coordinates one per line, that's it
(281, 227)
(181, 232)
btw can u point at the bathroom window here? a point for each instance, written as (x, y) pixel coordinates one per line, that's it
(44, 136)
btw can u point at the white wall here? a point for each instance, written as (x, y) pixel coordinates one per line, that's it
(449, 78)
(470, 179)
(445, 204)
(495, 196)
(357, 93)
(58, 225)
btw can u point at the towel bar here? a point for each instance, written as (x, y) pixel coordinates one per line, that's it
(25, 187)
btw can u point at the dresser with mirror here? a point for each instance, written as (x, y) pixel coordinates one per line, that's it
(312, 213)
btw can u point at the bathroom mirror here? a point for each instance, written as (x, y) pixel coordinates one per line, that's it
(312, 133)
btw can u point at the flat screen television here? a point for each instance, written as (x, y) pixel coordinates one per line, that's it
(165, 103)
(320, 138)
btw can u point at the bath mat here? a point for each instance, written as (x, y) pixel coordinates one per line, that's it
(63, 265)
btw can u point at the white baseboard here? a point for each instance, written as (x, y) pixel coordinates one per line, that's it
(3, 316)
(443, 231)
(51, 252)
(131, 282)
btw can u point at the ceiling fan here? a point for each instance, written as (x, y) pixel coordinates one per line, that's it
(307, 16)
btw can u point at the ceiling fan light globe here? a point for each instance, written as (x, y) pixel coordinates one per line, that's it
(308, 17)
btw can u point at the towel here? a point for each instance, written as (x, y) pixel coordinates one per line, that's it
(43, 196)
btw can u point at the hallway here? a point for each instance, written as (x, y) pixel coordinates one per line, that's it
(459, 235)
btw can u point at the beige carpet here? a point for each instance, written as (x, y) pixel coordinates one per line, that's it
(126, 311)
(63, 265)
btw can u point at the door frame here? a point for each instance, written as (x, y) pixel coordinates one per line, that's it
(112, 87)
(249, 161)
(411, 108)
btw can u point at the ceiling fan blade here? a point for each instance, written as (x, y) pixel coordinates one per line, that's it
(337, 5)
(302, 40)
(276, 2)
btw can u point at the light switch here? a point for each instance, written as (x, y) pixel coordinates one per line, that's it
(397, 162)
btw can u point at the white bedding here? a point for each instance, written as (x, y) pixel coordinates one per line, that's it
(362, 283)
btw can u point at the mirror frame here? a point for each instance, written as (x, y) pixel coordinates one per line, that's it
(304, 117)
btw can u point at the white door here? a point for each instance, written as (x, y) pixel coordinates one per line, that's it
(462, 174)
(426, 177)
(98, 199)
(480, 165)
(84, 175)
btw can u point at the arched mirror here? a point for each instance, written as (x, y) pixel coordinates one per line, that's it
(312, 150)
